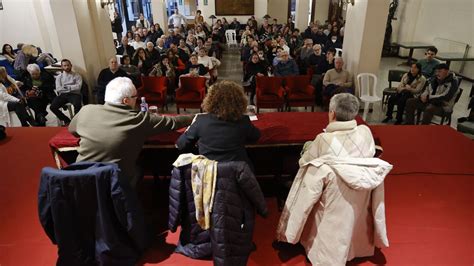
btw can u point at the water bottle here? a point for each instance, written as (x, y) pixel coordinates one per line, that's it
(143, 105)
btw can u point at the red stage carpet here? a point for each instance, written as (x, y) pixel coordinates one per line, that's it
(429, 203)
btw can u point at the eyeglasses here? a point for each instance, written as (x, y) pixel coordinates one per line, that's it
(133, 96)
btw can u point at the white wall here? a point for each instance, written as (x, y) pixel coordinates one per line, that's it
(278, 9)
(425, 20)
(260, 10)
(302, 14)
(19, 24)
(321, 10)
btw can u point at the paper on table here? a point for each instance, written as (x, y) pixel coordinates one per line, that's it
(253, 117)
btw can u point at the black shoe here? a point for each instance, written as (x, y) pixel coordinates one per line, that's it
(41, 120)
(398, 122)
(386, 120)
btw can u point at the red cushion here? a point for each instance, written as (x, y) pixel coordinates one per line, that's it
(298, 96)
(188, 96)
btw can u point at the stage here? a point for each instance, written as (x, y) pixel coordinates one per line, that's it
(429, 197)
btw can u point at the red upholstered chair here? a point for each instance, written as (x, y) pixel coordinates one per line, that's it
(154, 90)
(270, 93)
(299, 92)
(191, 93)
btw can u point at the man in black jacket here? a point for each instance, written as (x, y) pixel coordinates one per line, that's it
(106, 75)
(125, 48)
(38, 87)
(437, 98)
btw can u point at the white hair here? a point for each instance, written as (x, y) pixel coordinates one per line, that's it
(31, 68)
(345, 105)
(119, 88)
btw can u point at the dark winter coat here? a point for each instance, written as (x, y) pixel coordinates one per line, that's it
(236, 198)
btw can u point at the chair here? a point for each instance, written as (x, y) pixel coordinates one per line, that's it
(85, 204)
(299, 92)
(231, 38)
(367, 83)
(154, 89)
(227, 239)
(393, 76)
(445, 115)
(270, 93)
(191, 93)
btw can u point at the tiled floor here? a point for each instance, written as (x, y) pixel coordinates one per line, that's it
(231, 69)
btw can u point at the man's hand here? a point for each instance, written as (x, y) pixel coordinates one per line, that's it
(30, 93)
(424, 98)
(260, 74)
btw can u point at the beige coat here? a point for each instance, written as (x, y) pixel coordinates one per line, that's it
(335, 209)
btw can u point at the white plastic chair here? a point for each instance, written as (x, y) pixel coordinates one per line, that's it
(367, 83)
(231, 38)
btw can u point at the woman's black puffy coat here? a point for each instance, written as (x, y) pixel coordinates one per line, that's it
(236, 198)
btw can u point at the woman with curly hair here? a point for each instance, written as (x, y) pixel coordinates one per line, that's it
(223, 130)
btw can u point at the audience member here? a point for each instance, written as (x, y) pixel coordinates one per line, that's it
(116, 131)
(142, 22)
(68, 87)
(411, 85)
(153, 54)
(142, 60)
(337, 80)
(193, 68)
(8, 53)
(177, 20)
(132, 71)
(117, 25)
(105, 76)
(137, 42)
(253, 69)
(160, 46)
(438, 97)
(10, 103)
(23, 58)
(224, 129)
(38, 87)
(287, 66)
(198, 19)
(125, 48)
(429, 63)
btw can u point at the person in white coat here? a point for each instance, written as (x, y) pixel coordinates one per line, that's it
(342, 137)
(327, 209)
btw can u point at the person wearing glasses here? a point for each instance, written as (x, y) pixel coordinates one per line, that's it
(429, 63)
(116, 131)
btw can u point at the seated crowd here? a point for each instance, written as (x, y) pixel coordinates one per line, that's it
(114, 131)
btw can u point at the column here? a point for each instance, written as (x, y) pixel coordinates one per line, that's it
(302, 14)
(321, 10)
(79, 31)
(363, 36)
(158, 10)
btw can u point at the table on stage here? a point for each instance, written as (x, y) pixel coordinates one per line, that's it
(412, 46)
(276, 152)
